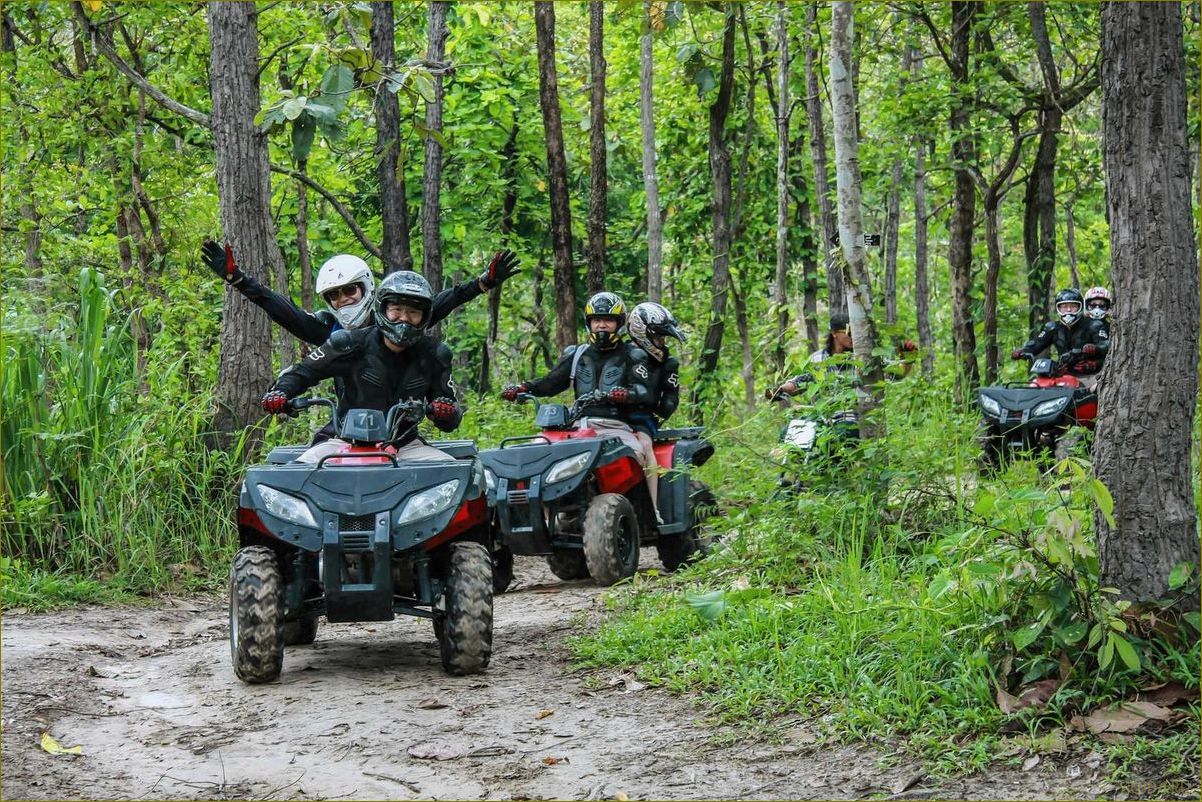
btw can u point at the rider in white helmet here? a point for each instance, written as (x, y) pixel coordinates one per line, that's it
(346, 283)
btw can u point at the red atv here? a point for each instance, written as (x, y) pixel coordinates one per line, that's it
(580, 499)
(1035, 416)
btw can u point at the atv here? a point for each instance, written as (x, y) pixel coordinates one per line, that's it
(361, 535)
(580, 500)
(814, 442)
(1034, 416)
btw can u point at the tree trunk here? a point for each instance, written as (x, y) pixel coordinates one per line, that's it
(655, 222)
(959, 256)
(595, 276)
(1070, 243)
(432, 170)
(394, 210)
(892, 224)
(836, 297)
(922, 294)
(509, 202)
(302, 240)
(809, 248)
(1039, 220)
(719, 159)
(557, 174)
(992, 271)
(851, 227)
(244, 191)
(748, 371)
(1149, 396)
(780, 287)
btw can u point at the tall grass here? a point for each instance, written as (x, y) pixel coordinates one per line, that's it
(102, 479)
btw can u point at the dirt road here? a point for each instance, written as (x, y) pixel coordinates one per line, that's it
(367, 713)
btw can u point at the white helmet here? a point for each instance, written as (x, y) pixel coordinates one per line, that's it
(343, 269)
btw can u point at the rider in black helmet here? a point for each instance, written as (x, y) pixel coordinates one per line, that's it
(1081, 342)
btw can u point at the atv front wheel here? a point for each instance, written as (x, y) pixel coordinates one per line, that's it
(568, 564)
(611, 538)
(676, 551)
(466, 621)
(256, 615)
(300, 632)
(502, 569)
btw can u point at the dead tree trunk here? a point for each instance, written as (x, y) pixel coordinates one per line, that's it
(244, 192)
(595, 275)
(1148, 395)
(394, 210)
(655, 223)
(557, 174)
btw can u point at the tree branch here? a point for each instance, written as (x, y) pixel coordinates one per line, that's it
(344, 212)
(105, 47)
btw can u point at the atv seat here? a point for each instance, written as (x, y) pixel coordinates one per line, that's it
(459, 449)
(684, 433)
(285, 454)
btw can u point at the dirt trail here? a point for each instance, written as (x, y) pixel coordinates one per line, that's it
(150, 696)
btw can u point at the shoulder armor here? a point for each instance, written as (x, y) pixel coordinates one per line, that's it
(1050, 325)
(443, 354)
(568, 351)
(343, 341)
(326, 316)
(638, 354)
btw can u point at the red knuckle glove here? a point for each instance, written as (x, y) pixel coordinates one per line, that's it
(619, 395)
(1016, 354)
(442, 409)
(510, 393)
(274, 402)
(909, 347)
(1089, 349)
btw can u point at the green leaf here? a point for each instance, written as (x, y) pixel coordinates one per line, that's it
(1180, 575)
(1126, 651)
(336, 82)
(1105, 501)
(1193, 619)
(293, 108)
(482, 12)
(424, 85)
(1024, 637)
(1107, 655)
(704, 78)
(302, 137)
(1073, 633)
(938, 586)
(707, 605)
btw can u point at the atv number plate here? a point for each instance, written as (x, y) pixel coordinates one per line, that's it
(801, 433)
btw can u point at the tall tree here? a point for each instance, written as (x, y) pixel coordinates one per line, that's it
(851, 226)
(719, 159)
(432, 171)
(655, 222)
(394, 211)
(244, 191)
(557, 174)
(922, 293)
(836, 298)
(595, 276)
(1148, 395)
(780, 286)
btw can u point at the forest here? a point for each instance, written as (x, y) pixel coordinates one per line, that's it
(929, 177)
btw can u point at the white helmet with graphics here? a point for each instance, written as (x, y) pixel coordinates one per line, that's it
(342, 272)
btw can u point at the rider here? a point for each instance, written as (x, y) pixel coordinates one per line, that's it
(610, 379)
(1098, 303)
(345, 282)
(380, 365)
(650, 325)
(1082, 344)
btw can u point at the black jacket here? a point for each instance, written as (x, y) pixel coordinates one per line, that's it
(624, 366)
(373, 376)
(316, 327)
(1068, 343)
(664, 388)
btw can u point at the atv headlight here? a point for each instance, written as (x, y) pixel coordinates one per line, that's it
(286, 507)
(428, 502)
(490, 481)
(1049, 407)
(567, 468)
(991, 406)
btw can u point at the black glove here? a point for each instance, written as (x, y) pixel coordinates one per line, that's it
(442, 409)
(510, 393)
(221, 261)
(503, 265)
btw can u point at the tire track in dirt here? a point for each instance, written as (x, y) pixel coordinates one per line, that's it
(367, 713)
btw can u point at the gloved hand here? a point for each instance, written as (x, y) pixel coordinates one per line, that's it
(502, 265)
(221, 261)
(1017, 354)
(510, 393)
(618, 395)
(1089, 349)
(907, 347)
(442, 409)
(274, 402)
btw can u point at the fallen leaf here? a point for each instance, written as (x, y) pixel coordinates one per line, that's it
(433, 751)
(431, 703)
(628, 680)
(1123, 717)
(554, 761)
(621, 797)
(55, 748)
(1168, 694)
(1031, 762)
(1036, 694)
(542, 714)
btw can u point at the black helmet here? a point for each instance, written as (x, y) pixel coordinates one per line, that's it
(605, 304)
(649, 324)
(1069, 305)
(406, 287)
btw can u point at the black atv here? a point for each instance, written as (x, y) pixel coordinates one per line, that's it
(361, 536)
(580, 498)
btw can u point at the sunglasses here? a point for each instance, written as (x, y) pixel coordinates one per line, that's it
(348, 291)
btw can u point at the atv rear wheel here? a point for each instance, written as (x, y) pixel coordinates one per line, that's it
(256, 615)
(568, 564)
(676, 551)
(611, 538)
(502, 569)
(466, 621)
(300, 632)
